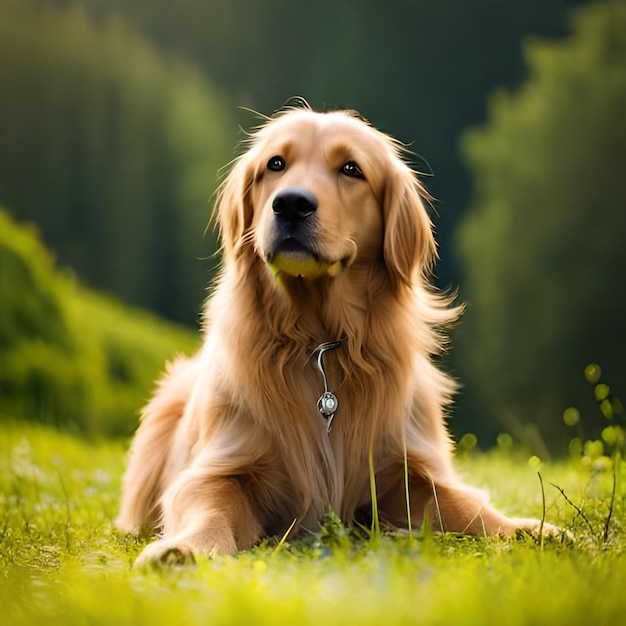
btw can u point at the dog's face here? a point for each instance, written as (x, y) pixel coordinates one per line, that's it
(316, 207)
(320, 192)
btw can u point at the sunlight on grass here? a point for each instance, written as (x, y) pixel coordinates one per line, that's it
(61, 561)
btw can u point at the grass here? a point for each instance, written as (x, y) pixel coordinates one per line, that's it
(61, 561)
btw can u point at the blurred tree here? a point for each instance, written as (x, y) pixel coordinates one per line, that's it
(418, 69)
(112, 151)
(543, 244)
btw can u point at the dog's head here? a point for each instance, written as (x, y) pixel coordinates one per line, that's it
(317, 193)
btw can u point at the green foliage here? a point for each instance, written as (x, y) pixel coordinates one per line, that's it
(113, 151)
(592, 454)
(69, 356)
(61, 561)
(39, 376)
(542, 247)
(130, 348)
(417, 69)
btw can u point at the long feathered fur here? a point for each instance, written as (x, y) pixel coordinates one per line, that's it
(232, 447)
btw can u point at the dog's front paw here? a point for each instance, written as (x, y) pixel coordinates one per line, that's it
(536, 528)
(179, 550)
(165, 553)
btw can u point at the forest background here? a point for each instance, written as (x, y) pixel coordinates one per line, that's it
(118, 118)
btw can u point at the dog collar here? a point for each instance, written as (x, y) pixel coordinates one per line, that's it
(328, 402)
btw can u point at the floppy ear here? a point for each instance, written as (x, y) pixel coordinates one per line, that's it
(233, 207)
(409, 246)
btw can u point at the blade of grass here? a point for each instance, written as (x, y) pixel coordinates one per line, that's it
(406, 495)
(578, 510)
(605, 535)
(375, 520)
(543, 510)
(443, 530)
(279, 547)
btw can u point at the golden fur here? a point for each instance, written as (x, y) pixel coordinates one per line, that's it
(232, 447)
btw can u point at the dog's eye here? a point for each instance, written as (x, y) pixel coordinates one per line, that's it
(276, 164)
(352, 169)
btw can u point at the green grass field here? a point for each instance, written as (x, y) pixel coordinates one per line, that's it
(62, 562)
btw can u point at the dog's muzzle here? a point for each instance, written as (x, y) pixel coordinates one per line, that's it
(293, 250)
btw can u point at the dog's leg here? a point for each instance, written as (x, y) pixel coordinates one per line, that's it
(451, 507)
(149, 453)
(203, 515)
(458, 508)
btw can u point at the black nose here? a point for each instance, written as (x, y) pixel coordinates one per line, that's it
(294, 204)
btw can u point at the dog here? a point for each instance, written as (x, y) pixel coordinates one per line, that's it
(315, 386)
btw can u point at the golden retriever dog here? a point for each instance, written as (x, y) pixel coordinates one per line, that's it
(315, 385)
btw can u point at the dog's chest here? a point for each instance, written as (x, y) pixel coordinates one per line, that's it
(340, 442)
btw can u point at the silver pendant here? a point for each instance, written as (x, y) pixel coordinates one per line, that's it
(327, 403)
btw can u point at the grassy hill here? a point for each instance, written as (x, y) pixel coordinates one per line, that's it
(70, 356)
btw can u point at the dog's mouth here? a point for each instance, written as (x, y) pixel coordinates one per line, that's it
(293, 248)
(292, 257)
